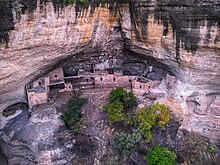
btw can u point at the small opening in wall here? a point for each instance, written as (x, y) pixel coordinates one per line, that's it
(130, 80)
(55, 75)
(69, 86)
(168, 83)
(149, 87)
(114, 79)
(140, 86)
(101, 79)
(39, 83)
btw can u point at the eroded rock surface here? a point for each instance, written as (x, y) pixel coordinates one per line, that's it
(37, 138)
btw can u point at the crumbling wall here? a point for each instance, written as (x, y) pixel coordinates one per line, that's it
(56, 74)
(140, 88)
(37, 98)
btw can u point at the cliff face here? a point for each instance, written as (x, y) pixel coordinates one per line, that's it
(182, 37)
(184, 34)
(45, 35)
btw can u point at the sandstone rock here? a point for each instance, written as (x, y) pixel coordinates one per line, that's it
(36, 139)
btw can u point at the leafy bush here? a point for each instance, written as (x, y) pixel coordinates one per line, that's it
(163, 113)
(161, 156)
(76, 101)
(128, 99)
(210, 148)
(67, 2)
(127, 144)
(128, 120)
(117, 94)
(148, 117)
(115, 111)
(120, 100)
(73, 117)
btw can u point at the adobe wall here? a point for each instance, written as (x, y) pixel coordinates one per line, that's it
(56, 74)
(36, 83)
(37, 98)
(113, 80)
(68, 87)
(140, 88)
(47, 82)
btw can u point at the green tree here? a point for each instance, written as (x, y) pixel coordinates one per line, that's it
(150, 116)
(127, 144)
(146, 119)
(117, 94)
(120, 100)
(72, 118)
(161, 156)
(163, 113)
(115, 111)
(67, 2)
(128, 99)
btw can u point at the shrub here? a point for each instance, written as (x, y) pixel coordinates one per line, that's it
(120, 100)
(210, 148)
(114, 111)
(161, 156)
(117, 94)
(67, 2)
(148, 117)
(127, 144)
(76, 101)
(73, 117)
(128, 120)
(163, 113)
(128, 99)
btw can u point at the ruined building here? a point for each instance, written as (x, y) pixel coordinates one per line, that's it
(56, 82)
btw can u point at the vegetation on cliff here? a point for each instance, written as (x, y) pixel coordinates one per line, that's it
(73, 117)
(127, 144)
(67, 2)
(127, 99)
(159, 155)
(120, 101)
(146, 118)
(142, 122)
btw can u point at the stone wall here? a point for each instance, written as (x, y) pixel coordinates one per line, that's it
(56, 74)
(37, 98)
